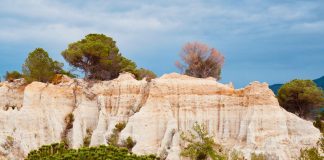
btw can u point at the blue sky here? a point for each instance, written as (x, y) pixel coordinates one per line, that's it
(268, 41)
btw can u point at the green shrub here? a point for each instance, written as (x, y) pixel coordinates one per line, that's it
(11, 76)
(236, 155)
(260, 156)
(120, 126)
(114, 137)
(314, 152)
(310, 154)
(129, 143)
(144, 73)
(201, 146)
(59, 151)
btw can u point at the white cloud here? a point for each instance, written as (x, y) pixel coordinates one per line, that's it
(309, 27)
(243, 29)
(61, 22)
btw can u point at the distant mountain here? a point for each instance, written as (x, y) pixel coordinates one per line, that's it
(275, 87)
(319, 82)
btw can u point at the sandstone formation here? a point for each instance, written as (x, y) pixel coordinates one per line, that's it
(156, 112)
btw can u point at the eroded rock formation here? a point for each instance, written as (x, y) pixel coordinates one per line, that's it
(156, 112)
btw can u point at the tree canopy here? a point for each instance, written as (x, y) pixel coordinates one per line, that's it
(40, 67)
(200, 61)
(300, 97)
(98, 57)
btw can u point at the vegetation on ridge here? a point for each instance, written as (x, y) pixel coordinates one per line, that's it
(11, 76)
(40, 67)
(99, 58)
(319, 82)
(96, 55)
(200, 61)
(301, 97)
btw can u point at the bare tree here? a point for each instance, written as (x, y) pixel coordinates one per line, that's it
(200, 61)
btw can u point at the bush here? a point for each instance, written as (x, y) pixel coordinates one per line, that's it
(201, 146)
(236, 155)
(310, 154)
(144, 73)
(58, 151)
(11, 76)
(313, 153)
(260, 156)
(129, 143)
(114, 137)
(120, 126)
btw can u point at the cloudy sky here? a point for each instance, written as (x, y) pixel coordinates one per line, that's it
(269, 41)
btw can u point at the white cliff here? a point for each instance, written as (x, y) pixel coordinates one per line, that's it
(156, 112)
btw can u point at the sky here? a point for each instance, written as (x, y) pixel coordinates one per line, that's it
(271, 41)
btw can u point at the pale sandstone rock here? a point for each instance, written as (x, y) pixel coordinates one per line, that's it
(156, 112)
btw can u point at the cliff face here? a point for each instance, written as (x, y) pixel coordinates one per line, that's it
(156, 112)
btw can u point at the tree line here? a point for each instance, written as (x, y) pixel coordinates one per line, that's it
(98, 57)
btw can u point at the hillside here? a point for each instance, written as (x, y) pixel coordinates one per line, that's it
(319, 82)
(155, 113)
